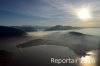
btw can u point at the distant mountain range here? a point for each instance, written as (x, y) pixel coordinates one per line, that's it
(44, 28)
(6, 31)
(26, 28)
(60, 27)
(31, 28)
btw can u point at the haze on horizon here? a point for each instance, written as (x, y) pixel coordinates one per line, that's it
(48, 12)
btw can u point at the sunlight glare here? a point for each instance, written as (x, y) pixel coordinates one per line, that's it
(84, 14)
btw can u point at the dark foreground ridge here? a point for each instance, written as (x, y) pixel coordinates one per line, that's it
(5, 57)
(6, 31)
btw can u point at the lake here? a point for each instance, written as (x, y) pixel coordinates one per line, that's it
(54, 44)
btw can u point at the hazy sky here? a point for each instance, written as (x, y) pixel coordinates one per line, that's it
(47, 12)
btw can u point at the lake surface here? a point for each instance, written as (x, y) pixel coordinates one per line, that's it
(54, 44)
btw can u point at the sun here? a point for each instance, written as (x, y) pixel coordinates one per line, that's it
(84, 14)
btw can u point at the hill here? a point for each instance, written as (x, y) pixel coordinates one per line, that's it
(60, 27)
(6, 31)
(26, 28)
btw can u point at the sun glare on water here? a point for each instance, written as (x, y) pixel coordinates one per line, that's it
(89, 60)
(84, 14)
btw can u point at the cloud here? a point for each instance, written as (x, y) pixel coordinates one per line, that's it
(40, 8)
(50, 10)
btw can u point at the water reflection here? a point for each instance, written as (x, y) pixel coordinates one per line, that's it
(89, 60)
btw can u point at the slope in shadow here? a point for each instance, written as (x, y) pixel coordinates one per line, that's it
(6, 31)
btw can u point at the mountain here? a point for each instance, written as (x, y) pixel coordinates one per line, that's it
(6, 31)
(26, 28)
(41, 27)
(60, 27)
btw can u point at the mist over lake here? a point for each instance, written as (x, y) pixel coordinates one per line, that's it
(37, 48)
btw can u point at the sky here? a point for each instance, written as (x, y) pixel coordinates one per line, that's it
(47, 12)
